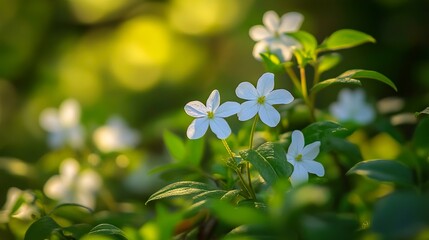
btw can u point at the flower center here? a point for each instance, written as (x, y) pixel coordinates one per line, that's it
(210, 114)
(298, 157)
(261, 100)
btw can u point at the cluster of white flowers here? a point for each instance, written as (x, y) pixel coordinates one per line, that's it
(259, 101)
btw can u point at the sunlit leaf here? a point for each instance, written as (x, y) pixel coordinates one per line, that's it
(217, 194)
(41, 229)
(307, 40)
(350, 77)
(424, 112)
(384, 171)
(272, 63)
(183, 188)
(328, 61)
(345, 38)
(70, 205)
(261, 164)
(175, 145)
(108, 230)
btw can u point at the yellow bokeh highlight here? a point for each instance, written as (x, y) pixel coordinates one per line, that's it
(140, 50)
(381, 146)
(206, 16)
(92, 11)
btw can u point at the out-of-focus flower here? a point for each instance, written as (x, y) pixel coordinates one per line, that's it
(351, 107)
(63, 125)
(19, 204)
(115, 136)
(303, 159)
(272, 38)
(261, 99)
(212, 114)
(73, 185)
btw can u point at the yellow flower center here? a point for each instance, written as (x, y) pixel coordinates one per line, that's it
(298, 157)
(210, 114)
(261, 100)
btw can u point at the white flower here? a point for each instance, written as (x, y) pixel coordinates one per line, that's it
(272, 36)
(351, 107)
(261, 99)
(19, 204)
(73, 185)
(211, 115)
(302, 158)
(115, 136)
(63, 125)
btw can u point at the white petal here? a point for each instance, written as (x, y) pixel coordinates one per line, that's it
(299, 175)
(366, 115)
(260, 47)
(49, 120)
(69, 112)
(89, 181)
(54, 188)
(279, 96)
(259, 32)
(265, 84)
(271, 21)
(291, 22)
(338, 111)
(346, 97)
(197, 128)
(313, 167)
(227, 109)
(247, 91)
(56, 139)
(69, 169)
(311, 151)
(213, 101)
(196, 109)
(248, 110)
(269, 115)
(75, 136)
(297, 144)
(220, 127)
(286, 53)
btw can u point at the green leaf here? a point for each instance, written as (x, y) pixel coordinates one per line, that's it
(212, 194)
(307, 40)
(261, 164)
(420, 137)
(234, 215)
(65, 205)
(350, 77)
(271, 62)
(175, 145)
(345, 38)
(194, 151)
(276, 156)
(328, 61)
(107, 230)
(426, 111)
(320, 131)
(182, 188)
(384, 171)
(340, 145)
(41, 229)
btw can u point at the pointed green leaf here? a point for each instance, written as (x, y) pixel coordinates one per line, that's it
(384, 171)
(319, 131)
(212, 194)
(307, 40)
(261, 164)
(182, 188)
(175, 145)
(345, 38)
(276, 156)
(350, 77)
(328, 61)
(194, 152)
(108, 230)
(41, 229)
(271, 62)
(426, 111)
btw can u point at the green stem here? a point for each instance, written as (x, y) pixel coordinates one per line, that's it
(294, 78)
(252, 131)
(248, 189)
(305, 93)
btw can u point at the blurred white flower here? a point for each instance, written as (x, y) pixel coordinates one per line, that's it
(212, 114)
(19, 204)
(303, 159)
(73, 185)
(271, 37)
(115, 136)
(261, 99)
(351, 107)
(63, 125)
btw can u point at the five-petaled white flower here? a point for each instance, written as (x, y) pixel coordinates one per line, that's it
(211, 115)
(351, 107)
(302, 158)
(73, 185)
(261, 99)
(63, 125)
(115, 135)
(272, 37)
